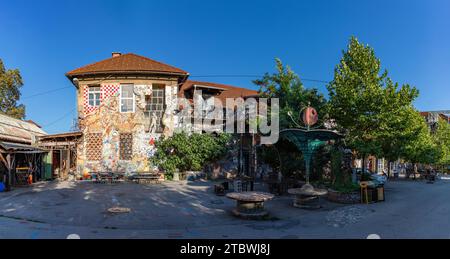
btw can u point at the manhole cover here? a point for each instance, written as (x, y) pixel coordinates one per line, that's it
(119, 210)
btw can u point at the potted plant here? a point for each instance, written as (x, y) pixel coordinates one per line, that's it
(346, 194)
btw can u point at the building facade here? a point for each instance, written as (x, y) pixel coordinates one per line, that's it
(433, 118)
(21, 160)
(128, 102)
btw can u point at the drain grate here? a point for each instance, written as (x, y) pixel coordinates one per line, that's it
(119, 210)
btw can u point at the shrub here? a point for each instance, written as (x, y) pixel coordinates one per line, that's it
(184, 152)
(291, 165)
(341, 171)
(346, 188)
(336, 167)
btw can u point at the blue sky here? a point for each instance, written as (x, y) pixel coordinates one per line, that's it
(46, 39)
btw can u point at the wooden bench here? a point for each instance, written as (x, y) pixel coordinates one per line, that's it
(146, 178)
(107, 177)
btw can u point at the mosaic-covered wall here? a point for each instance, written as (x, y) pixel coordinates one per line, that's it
(104, 125)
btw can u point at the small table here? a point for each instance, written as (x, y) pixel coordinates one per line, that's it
(250, 205)
(305, 195)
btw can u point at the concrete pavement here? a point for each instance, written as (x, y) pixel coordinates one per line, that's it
(191, 210)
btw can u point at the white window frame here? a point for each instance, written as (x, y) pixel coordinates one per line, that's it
(127, 98)
(94, 94)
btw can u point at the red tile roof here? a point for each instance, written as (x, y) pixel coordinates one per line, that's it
(126, 64)
(132, 64)
(228, 91)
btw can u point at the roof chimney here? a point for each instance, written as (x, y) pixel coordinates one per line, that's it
(116, 54)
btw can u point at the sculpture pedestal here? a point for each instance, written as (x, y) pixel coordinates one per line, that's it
(307, 197)
(250, 205)
(250, 210)
(307, 202)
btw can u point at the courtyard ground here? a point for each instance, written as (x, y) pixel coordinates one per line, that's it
(413, 209)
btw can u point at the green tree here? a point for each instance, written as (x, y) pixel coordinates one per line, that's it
(398, 120)
(10, 84)
(356, 97)
(442, 139)
(423, 149)
(286, 85)
(368, 106)
(293, 97)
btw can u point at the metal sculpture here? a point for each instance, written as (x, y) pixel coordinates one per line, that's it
(308, 140)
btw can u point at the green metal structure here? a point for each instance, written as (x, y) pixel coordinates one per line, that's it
(308, 142)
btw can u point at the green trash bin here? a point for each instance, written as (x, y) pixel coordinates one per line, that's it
(48, 166)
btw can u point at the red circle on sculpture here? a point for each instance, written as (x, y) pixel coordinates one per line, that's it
(310, 116)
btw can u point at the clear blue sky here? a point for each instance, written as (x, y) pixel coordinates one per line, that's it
(46, 39)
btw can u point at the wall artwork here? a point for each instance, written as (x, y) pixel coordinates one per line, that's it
(126, 146)
(107, 90)
(121, 142)
(94, 146)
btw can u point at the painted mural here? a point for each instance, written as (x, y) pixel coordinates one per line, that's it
(110, 122)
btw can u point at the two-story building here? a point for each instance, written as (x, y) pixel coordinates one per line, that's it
(126, 103)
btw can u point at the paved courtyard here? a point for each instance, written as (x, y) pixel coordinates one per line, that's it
(191, 210)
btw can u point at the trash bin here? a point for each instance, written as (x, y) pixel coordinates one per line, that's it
(376, 194)
(373, 195)
(380, 193)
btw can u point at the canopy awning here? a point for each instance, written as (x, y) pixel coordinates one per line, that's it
(8, 147)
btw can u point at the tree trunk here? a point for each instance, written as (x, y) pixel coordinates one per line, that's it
(415, 170)
(389, 170)
(376, 165)
(363, 165)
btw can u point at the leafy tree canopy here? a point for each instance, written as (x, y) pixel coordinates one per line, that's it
(422, 149)
(368, 106)
(286, 85)
(10, 84)
(442, 139)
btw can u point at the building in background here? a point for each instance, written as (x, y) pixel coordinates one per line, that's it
(432, 118)
(125, 104)
(22, 161)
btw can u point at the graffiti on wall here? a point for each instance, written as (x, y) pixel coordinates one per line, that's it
(106, 91)
(109, 122)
